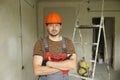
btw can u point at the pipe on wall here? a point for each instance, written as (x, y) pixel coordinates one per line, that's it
(89, 10)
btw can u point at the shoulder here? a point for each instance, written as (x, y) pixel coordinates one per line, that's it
(68, 39)
(39, 42)
(69, 45)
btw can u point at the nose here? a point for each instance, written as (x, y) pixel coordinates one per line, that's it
(54, 26)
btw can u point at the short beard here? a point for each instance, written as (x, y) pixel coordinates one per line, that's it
(54, 35)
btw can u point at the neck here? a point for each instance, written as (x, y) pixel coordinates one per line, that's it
(55, 38)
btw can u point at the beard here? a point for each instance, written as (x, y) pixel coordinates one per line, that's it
(53, 35)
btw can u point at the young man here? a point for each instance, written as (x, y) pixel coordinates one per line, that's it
(54, 55)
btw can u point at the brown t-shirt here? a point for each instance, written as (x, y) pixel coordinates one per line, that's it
(55, 47)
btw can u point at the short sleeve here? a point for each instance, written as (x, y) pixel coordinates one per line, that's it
(70, 46)
(38, 48)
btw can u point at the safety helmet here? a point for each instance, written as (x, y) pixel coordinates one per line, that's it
(53, 18)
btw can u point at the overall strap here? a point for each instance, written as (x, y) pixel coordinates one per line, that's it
(46, 45)
(63, 45)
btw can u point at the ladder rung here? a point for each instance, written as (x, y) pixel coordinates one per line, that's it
(95, 43)
(86, 78)
(91, 43)
(79, 76)
(77, 42)
(96, 25)
(86, 43)
(92, 61)
(87, 26)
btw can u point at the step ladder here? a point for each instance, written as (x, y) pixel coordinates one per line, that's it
(100, 27)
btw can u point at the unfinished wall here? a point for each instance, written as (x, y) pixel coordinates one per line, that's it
(28, 30)
(85, 17)
(17, 38)
(10, 56)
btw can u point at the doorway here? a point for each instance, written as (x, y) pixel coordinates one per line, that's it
(109, 23)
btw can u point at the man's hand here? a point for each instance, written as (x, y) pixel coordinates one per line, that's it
(45, 61)
(64, 65)
(68, 57)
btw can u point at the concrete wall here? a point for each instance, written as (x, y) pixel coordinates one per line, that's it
(17, 38)
(85, 17)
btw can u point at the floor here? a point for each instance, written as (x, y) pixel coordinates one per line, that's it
(100, 74)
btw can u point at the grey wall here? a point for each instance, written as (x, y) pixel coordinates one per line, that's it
(17, 38)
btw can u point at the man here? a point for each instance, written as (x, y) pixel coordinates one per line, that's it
(54, 55)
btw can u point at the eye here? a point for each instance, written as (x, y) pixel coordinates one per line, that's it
(50, 25)
(58, 25)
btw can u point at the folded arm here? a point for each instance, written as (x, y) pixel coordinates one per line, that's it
(64, 65)
(42, 70)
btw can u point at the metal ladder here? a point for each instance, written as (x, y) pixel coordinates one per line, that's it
(101, 27)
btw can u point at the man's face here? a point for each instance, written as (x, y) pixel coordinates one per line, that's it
(54, 29)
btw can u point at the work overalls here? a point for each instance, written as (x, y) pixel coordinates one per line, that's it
(61, 75)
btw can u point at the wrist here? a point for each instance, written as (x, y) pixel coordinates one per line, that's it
(44, 62)
(47, 63)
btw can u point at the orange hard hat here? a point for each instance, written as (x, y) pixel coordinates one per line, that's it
(53, 18)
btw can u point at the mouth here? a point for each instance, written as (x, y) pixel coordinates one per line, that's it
(54, 31)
